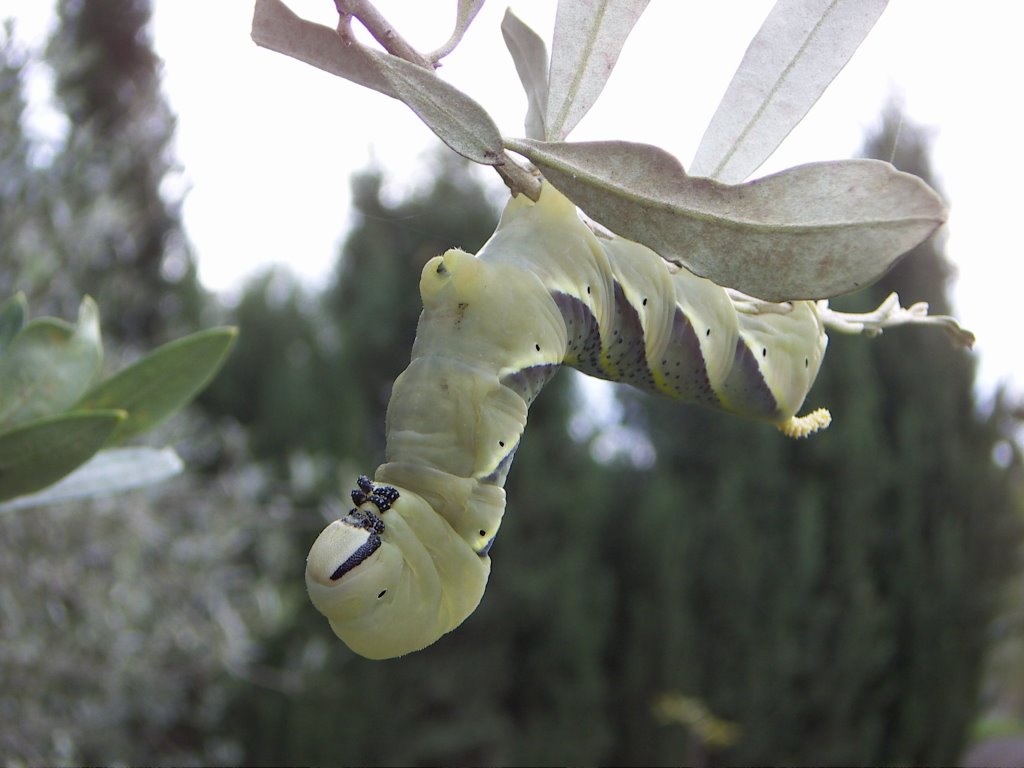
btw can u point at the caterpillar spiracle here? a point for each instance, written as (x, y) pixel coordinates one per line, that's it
(410, 562)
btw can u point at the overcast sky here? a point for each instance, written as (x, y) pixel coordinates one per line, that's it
(267, 144)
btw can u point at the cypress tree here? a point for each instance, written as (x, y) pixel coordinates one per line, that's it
(118, 228)
(831, 597)
(22, 267)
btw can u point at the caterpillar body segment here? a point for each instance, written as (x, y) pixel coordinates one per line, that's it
(544, 291)
(631, 317)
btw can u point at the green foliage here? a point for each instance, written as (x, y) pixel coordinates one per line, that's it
(125, 623)
(119, 616)
(163, 382)
(12, 317)
(276, 382)
(40, 452)
(49, 364)
(53, 414)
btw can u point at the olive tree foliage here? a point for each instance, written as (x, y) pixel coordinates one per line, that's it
(87, 216)
(126, 624)
(118, 616)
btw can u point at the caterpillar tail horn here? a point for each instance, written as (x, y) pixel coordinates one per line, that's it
(808, 424)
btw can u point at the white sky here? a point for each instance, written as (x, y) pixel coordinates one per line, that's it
(268, 143)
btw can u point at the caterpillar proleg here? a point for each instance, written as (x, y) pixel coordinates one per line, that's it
(410, 561)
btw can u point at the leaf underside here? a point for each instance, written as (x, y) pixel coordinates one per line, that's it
(589, 35)
(798, 51)
(458, 120)
(812, 232)
(277, 28)
(531, 60)
(110, 471)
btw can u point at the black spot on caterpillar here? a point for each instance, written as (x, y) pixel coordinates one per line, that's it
(545, 292)
(363, 551)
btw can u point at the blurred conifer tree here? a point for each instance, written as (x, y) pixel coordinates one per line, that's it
(118, 618)
(832, 596)
(114, 187)
(22, 221)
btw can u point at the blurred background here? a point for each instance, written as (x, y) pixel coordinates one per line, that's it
(669, 586)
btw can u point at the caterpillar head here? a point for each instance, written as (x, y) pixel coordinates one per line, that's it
(393, 584)
(349, 570)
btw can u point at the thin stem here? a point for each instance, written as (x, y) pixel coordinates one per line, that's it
(345, 25)
(518, 179)
(382, 31)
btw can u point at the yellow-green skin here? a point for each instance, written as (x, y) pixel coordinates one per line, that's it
(544, 291)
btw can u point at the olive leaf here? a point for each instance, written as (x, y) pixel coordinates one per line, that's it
(800, 48)
(13, 314)
(276, 27)
(35, 454)
(457, 120)
(48, 365)
(589, 35)
(464, 15)
(110, 471)
(810, 232)
(162, 382)
(466, 12)
(531, 59)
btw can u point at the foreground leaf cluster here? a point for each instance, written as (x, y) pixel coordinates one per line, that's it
(57, 413)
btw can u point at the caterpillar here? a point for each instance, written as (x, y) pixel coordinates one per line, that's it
(410, 561)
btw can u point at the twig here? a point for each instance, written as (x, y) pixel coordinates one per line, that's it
(381, 30)
(518, 179)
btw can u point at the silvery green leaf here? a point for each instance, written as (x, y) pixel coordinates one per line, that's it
(810, 232)
(800, 48)
(457, 120)
(467, 11)
(276, 27)
(589, 35)
(464, 15)
(108, 472)
(531, 60)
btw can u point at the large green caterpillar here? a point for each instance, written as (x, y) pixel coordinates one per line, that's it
(410, 562)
